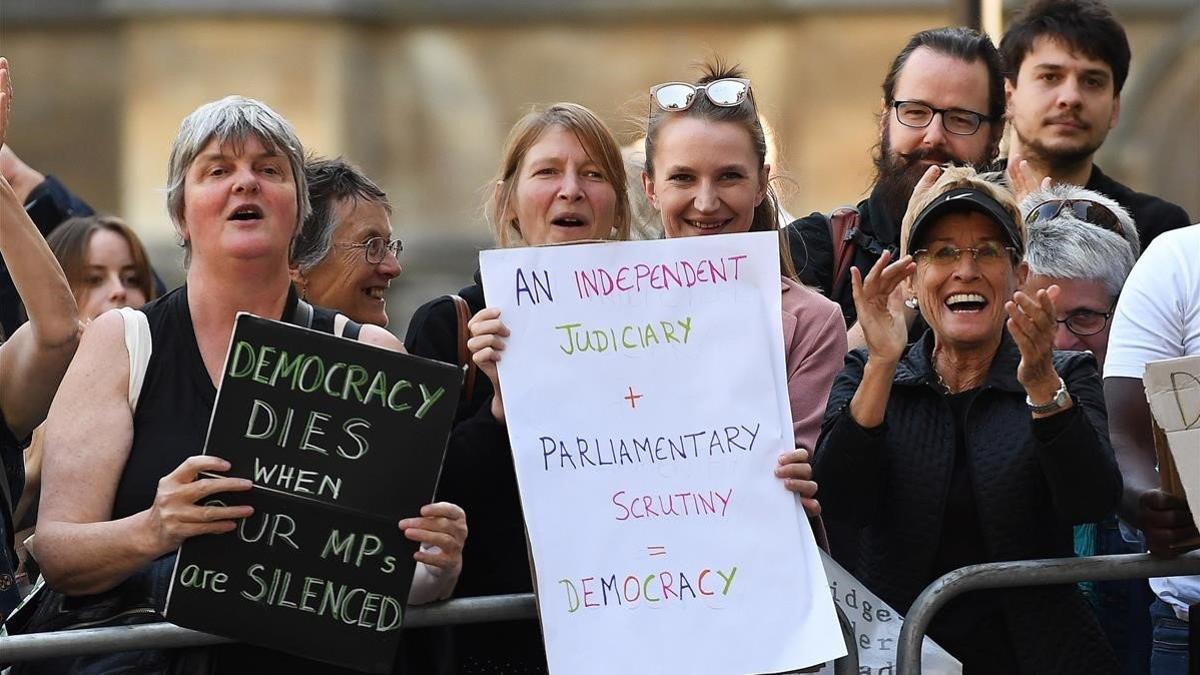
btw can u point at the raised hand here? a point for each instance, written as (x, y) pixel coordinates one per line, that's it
(442, 532)
(486, 343)
(883, 324)
(1031, 321)
(175, 514)
(1023, 179)
(796, 471)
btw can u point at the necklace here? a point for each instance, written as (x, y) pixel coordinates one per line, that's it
(938, 374)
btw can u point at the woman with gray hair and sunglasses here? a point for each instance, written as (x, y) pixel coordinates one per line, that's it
(237, 195)
(1086, 244)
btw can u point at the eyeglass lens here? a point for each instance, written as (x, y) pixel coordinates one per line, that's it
(377, 248)
(1083, 209)
(675, 96)
(918, 115)
(1086, 323)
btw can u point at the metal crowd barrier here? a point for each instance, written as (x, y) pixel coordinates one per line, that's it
(163, 635)
(1026, 573)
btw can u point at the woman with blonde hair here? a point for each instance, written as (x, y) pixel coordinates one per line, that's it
(561, 179)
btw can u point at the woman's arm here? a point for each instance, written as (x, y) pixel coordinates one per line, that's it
(87, 439)
(1074, 450)
(811, 376)
(33, 360)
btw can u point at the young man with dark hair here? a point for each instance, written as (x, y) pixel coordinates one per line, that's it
(1066, 62)
(943, 101)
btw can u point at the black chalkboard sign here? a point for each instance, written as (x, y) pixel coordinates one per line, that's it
(342, 440)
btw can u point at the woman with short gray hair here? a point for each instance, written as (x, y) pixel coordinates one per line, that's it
(237, 196)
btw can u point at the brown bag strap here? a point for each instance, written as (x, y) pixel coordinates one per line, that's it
(464, 354)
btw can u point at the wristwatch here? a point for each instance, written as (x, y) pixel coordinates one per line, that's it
(1054, 405)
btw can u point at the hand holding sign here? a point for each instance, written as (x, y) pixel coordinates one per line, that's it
(486, 343)
(175, 514)
(1166, 521)
(796, 471)
(441, 530)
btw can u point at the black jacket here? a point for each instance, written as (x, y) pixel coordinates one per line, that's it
(812, 248)
(1032, 480)
(478, 474)
(1152, 215)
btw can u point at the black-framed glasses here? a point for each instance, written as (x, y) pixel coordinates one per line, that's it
(1085, 322)
(1085, 210)
(918, 115)
(376, 248)
(987, 253)
(677, 96)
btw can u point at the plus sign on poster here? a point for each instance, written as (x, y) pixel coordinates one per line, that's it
(645, 395)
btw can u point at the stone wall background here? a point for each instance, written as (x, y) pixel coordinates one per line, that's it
(421, 94)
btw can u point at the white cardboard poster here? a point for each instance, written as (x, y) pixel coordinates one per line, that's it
(645, 395)
(1173, 390)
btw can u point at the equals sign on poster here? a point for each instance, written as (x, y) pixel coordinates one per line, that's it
(656, 550)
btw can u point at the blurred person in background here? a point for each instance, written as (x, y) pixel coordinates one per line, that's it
(34, 357)
(561, 179)
(345, 257)
(1157, 317)
(977, 443)
(1085, 243)
(237, 195)
(1066, 62)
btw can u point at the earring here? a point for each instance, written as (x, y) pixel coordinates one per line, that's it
(910, 303)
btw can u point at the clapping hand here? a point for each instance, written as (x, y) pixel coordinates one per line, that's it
(1031, 321)
(876, 298)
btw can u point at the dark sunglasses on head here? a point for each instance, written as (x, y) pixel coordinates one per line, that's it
(1083, 209)
(676, 96)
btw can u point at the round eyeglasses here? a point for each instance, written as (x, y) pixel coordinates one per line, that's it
(1086, 322)
(376, 248)
(918, 115)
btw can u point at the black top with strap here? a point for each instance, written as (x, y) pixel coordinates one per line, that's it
(171, 421)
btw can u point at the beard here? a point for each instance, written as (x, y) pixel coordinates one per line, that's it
(897, 174)
(1057, 159)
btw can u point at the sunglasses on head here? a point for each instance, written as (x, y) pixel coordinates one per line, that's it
(677, 96)
(1083, 209)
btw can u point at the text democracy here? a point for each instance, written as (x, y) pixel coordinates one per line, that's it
(308, 373)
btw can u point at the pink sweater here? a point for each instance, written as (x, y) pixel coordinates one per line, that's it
(814, 337)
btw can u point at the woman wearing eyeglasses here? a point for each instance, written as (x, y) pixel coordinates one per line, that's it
(977, 443)
(706, 173)
(345, 257)
(561, 179)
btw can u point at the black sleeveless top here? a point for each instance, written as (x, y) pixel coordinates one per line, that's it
(176, 401)
(12, 472)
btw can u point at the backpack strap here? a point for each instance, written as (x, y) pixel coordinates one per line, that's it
(463, 310)
(843, 227)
